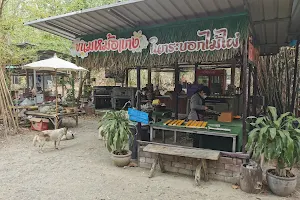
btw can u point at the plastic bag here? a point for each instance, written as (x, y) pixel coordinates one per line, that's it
(26, 102)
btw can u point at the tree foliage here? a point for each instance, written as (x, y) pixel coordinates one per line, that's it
(13, 15)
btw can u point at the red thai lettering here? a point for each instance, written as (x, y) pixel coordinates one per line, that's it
(171, 48)
(191, 46)
(135, 43)
(182, 46)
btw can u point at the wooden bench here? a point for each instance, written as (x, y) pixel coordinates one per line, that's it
(200, 154)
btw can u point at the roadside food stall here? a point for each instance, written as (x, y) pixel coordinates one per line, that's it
(214, 41)
(53, 112)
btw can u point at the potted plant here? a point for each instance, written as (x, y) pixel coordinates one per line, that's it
(277, 138)
(114, 128)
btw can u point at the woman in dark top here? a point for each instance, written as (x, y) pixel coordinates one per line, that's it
(198, 109)
(197, 104)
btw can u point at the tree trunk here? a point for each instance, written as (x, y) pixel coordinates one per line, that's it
(80, 88)
(251, 179)
(2, 7)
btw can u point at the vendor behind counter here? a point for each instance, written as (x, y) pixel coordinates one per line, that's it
(197, 112)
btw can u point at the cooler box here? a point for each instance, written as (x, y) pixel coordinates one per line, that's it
(39, 124)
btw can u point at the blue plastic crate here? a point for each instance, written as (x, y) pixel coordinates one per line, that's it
(138, 116)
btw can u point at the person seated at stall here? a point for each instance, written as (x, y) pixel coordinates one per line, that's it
(197, 112)
(197, 104)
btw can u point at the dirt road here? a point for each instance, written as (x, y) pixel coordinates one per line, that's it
(82, 170)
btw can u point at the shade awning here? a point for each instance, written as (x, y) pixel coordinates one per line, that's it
(270, 19)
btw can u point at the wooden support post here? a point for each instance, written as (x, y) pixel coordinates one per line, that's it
(177, 71)
(153, 167)
(198, 174)
(245, 92)
(295, 81)
(205, 170)
(161, 164)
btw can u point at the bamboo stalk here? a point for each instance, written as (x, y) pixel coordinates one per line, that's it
(9, 118)
(7, 100)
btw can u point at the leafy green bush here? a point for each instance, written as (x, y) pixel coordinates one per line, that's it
(276, 138)
(114, 128)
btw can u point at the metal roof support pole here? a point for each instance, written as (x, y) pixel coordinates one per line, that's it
(255, 90)
(43, 85)
(32, 82)
(245, 92)
(27, 79)
(176, 67)
(137, 136)
(249, 86)
(196, 67)
(34, 86)
(241, 76)
(232, 75)
(138, 82)
(126, 77)
(149, 75)
(296, 75)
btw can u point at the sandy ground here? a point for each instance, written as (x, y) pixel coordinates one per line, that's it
(83, 170)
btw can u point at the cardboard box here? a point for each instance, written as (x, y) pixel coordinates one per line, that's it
(225, 117)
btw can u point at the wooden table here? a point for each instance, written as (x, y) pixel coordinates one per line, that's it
(53, 117)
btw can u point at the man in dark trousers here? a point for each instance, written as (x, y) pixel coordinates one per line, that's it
(198, 109)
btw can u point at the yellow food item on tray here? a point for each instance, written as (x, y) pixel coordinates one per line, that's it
(200, 123)
(168, 121)
(188, 123)
(170, 124)
(204, 125)
(194, 123)
(173, 123)
(197, 124)
(180, 122)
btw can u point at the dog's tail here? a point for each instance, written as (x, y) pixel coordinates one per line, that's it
(35, 139)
